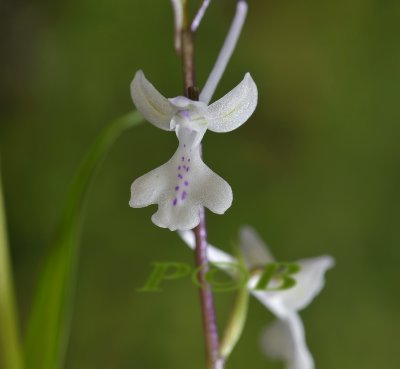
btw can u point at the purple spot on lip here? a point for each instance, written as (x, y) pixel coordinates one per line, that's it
(186, 183)
(184, 194)
(183, 158)
(175, 201)
(176, 188)
(184, 167)
(189, 160)
(180, 176)
(184, 145)
(179, 167)
(187, 169)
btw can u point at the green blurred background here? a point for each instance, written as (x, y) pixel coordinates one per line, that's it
(316, 170)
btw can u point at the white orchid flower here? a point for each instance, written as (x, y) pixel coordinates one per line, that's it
(285, 338)
(185, 184)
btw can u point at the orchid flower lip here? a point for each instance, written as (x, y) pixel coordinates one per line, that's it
(179, 204)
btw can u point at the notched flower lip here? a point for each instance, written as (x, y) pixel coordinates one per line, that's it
(181, 187)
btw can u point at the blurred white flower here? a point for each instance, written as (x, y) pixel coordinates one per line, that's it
(184, 184)
(285, 338)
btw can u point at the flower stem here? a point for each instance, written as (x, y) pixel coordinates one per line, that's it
(206, 296)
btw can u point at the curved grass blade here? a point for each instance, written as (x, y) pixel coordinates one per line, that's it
(10, 350)
(48, 326)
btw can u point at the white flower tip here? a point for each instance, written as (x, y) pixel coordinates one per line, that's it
(310, 280)
(255, 252)
(182, 225)
(327, 262)
(285, 340)
(188, 237)
(136, 83)
(242, 5)
(252, 91)
(134, 203)
(139, 74)
(222, 204)
(141, 194)
(248, 233)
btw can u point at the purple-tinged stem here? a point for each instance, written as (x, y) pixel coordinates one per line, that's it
(206, 296)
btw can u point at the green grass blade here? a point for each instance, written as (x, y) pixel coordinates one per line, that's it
(10, 350)
(48, 326)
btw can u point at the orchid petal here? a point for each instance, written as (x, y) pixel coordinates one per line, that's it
(253, 248)
(309, 282)
(232, 110)
(213, 191)
(177, 217)
(157, 109)
(180, 188)
(162, 186)
(285, 339)
(270, 299)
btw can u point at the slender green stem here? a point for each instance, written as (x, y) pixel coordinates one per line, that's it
(10, 349)
(236, 322)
